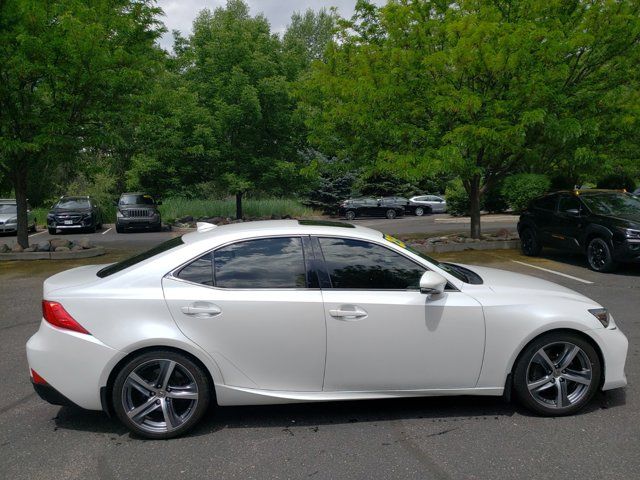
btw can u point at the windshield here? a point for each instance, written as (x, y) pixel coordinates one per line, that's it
(72, 203)
(450, 269)
(612, 203)
(131, 261)
(136, 200)
(7, 208)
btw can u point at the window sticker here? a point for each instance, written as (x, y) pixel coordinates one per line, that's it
(394, 240)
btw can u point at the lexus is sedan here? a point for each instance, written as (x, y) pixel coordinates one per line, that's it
(300, 311)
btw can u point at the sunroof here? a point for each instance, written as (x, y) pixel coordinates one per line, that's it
(325, 223)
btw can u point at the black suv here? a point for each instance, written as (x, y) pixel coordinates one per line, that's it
(369, 207)
(74, 214)
(138, 211)
(603, 224)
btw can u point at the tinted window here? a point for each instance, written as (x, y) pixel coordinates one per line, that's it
(545, 203)
(117, 267)
(198, 271)
(612, 203)
(136, 200)
(261, 263)
(568, 202)
(356, 264)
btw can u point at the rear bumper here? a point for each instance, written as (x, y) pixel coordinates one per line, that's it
(51, 395)
(71, 363)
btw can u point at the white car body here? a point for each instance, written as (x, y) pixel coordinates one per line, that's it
(265, 346)
(435, 203)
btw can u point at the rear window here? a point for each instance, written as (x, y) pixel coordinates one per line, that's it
(141, 257)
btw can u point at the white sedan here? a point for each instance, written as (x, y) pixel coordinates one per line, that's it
(296, 311)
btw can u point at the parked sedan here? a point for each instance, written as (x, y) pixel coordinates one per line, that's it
(9, 216)
(369, 207)
(433, 203)
(409, 207)
(298, 311)
(603, 224)
(74, 214)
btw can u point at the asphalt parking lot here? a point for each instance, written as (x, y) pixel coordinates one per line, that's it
(437, 438)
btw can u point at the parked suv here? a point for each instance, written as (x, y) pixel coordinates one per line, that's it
(369, 207)
(74, 213)
(138, 211)
(9, 216)
(603, 224)
(431, 203)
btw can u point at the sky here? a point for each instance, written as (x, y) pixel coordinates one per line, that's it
(179, 14)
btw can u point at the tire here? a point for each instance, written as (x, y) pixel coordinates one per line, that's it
(119, 229)
(550, 388)
(161, 413)
(33, 228)
(91, 229)
(350, 215)
(390, 214)
(52, 231)
(599, 256)
(529, 243)
(419, 211)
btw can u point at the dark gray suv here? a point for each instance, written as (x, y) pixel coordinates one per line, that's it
(138, 211)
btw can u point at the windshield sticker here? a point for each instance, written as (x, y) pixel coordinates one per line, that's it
(394, 240)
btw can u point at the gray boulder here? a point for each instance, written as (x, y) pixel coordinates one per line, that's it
(61, 249)
(85, 243)
(44, 246)
(76, 248)
(17, 248)
(4, 248)
(59, 242)
(30, 249)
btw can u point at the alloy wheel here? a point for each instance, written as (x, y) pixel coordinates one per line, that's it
(419, 211)
(598, 254)
(559, 375)
(160, 395)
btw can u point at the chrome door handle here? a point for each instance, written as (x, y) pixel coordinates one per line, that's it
(201, 310)
(348, 314)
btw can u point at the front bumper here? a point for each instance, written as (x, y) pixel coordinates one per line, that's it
(614, 345)
(71, 363)
(627, 250)
(8, 227)
(139, 223)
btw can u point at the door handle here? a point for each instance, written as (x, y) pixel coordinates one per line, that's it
(201, 310)
(353, 314)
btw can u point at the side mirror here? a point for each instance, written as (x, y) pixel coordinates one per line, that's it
(432, 283)
(574, 212)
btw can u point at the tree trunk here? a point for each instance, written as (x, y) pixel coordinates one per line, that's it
(239, 205)
(20, 186)
(474, 207)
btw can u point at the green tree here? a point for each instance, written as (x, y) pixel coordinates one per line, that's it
(479, 88)
(66, 68)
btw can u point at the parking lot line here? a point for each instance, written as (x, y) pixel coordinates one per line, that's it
(107, 230)
(554, 272)
(39, 233)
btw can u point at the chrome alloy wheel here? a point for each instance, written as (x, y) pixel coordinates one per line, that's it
(159, 395)
(559, 375)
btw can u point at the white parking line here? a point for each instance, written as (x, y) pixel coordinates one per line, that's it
(107, 231)
(554, 272)
(39, 233)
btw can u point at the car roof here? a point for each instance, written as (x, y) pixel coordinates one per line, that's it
(73, 197)
(587, 191)
(282, 227)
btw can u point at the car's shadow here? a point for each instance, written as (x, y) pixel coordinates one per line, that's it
(313, 415)
(579, 260)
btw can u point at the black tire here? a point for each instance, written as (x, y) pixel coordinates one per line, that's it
(33, 227)
(91, 229)
(119, 229)
(529, 243)
(549, 385)
(52, 231)
(419, 211)
(390, 214)
(350, 215)
(149, 425)
(600, 256)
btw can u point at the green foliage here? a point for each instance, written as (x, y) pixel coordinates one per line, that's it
(493, 200)
(458, 203)
(382, 184)
(519, 190)
(618, 181)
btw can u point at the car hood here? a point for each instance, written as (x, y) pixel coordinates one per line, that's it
(517, 284)
(625, 220)
(70, 210)
(6, 216)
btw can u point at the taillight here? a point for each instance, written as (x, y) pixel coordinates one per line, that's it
(56, 315)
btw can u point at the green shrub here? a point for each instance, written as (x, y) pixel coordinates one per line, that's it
(457, 199)
(518, 190)
(494, 201)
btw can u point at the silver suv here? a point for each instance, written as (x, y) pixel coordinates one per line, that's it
(138, 211)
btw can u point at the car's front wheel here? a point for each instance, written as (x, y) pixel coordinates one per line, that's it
(52, 231)
(161, 394)
(557, 374)
(599, 256)
(390, 214)
(350, 215)
(529, 243)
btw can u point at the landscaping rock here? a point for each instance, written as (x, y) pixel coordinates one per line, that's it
(77, 248)
(4, 248)
(84, 243)
(186, 219)
(43, 246)
(61, 249)
(59, 242)
(17, 248)
(30, 249)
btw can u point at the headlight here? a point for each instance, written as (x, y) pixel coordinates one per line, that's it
(631, 233)
(601, 314)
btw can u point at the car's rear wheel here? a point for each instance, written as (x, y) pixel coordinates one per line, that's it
(529, 243)
(350, 215)
(557, 374)
(161, 394)
(390, 214)
(52, 231)
(419, 211)
(599, 256)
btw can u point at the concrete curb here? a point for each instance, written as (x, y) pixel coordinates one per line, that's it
(70, 255)
(459, 247)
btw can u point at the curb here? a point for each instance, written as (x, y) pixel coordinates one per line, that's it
(87, 253)
(460, 247)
